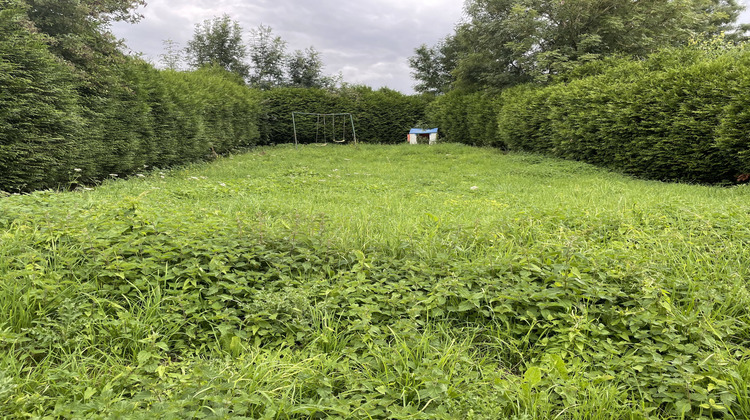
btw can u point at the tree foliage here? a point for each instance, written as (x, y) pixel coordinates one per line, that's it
(507, 42)
(79, 29)
(219, 42)
(263, 63)
(432, 66)
(305, 69)
(172, 56)
(267, 58)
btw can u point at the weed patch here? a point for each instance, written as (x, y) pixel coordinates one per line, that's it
(376, 282)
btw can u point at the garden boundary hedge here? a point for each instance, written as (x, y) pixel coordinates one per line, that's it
(681, 115)
(466, 118)
(381, 116)
(57, 129)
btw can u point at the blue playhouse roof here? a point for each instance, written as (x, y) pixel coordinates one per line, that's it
(423, 131)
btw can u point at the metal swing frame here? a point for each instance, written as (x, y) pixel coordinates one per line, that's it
(333, 124)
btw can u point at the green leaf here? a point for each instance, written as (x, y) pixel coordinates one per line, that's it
(144, 357)
(533, 376)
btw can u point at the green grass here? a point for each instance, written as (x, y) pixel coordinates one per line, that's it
(376, 282)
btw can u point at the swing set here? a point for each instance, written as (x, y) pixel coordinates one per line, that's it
(327, 127)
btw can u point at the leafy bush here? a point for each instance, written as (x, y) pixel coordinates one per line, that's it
(680, 115)
(52, 136)
(63, 121)
(163, 118)
(40, 117)
(466, 118)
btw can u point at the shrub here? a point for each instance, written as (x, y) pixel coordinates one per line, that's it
(381, 116)
(51, 135)
(680, 115)
(467, 118)
(39, 112)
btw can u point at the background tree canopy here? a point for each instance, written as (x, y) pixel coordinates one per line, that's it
(78, 29)
(263, 63)
(219, 42)
(507, 42)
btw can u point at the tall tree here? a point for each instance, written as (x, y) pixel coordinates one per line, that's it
(218, 42)
(305, 69)
(267, 56)
(171, 58)
(79, 33)
(432, 67)
(506, 42)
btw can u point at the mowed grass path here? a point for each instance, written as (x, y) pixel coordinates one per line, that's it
(376, 282)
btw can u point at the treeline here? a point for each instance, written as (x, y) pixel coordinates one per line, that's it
(263, 63)
(75, 110)
(504, 43)
(681, 115)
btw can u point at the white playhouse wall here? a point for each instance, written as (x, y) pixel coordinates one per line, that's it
(413, 138)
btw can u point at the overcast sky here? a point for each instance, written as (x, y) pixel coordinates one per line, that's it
(367, 41)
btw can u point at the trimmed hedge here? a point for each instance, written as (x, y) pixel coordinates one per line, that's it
(40, 117)
(55, 132)
(60, 125)
(677, 116)
(380, 116)
(466, 118)
(680, 115)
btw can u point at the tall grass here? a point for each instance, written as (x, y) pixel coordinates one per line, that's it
(376, 282)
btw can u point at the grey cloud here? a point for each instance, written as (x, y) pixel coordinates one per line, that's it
(368, 41)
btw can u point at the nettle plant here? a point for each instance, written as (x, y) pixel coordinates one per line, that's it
(356, 283)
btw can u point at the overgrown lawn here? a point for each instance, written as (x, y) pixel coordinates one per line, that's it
(376, 282)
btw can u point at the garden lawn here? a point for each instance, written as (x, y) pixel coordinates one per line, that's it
(376, 282)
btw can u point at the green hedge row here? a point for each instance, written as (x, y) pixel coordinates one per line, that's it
(55, 130)
(680, 115)
(39, 114)
(165, 118)
(466, 118)
(380, 116)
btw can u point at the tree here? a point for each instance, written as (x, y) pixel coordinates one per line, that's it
(507, 42)
(218, 42)
(171, 58)
(432, 67)
(267, 56)
(305, 69)
(79, 34)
